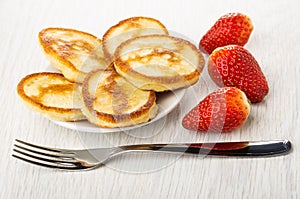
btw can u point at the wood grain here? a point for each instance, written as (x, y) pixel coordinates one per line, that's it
(274, 43)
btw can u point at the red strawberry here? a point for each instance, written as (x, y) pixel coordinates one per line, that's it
(235, 66)
(232, 28)
(221, 111)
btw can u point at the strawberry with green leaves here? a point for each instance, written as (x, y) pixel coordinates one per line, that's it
(232, 28)
(235, 66)
(223, 110)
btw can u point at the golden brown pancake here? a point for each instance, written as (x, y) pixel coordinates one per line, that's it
(159, 62)
(110, 101)
(52, 95)
(127, 29)
(73, 52)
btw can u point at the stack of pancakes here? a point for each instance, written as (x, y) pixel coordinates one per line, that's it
(113, 82)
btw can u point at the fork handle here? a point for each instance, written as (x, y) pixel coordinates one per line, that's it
(245, 148)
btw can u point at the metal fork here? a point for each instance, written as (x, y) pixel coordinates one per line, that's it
(93, 158)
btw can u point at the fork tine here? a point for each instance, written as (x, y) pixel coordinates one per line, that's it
(57, 161)
(42, 147)
(46, 165)
(62, 156)
(50, 157)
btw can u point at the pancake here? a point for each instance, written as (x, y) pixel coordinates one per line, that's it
(111, 102)
(52, 95)
(127, 29)
(159, 62)
(72, 52)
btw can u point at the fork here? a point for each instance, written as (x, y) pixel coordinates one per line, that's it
(92, 158)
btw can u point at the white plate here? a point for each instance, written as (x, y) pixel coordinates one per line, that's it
(166, 102)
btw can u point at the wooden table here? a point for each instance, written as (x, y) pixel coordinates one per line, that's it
(275, 43)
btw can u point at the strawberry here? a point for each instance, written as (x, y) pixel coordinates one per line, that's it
(223, 110)
(232, 28)
(235, 66)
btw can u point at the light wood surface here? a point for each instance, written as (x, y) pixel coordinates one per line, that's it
(274, 43)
